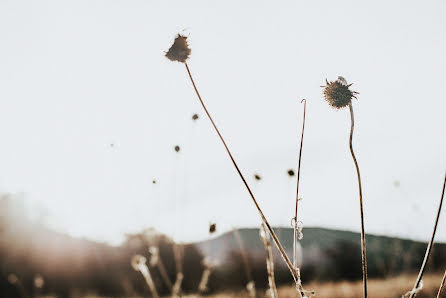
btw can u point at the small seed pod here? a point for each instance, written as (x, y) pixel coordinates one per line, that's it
(195, 117)
(291, 172)
(212, 228)
(177, 148)
(180, 50)
(338, 94)
(257, 177)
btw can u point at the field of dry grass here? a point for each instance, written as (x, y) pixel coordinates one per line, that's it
(389, 288)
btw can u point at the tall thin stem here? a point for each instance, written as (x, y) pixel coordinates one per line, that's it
(294, 273)
(363, 245)
(443, 281)
(297, 189)
(430, 244)
(264, 236)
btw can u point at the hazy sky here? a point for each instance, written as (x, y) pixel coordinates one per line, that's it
(79, 76)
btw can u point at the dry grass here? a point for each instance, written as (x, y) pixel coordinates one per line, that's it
(378, 288)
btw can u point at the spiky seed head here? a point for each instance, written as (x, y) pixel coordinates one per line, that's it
(338, 93)
(180, 50)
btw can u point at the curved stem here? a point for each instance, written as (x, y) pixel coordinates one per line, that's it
(440, 290)
(294, 273)
(363, 245)
(297, 189)
(430, 244)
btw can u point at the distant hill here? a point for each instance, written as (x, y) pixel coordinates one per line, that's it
(325, 254)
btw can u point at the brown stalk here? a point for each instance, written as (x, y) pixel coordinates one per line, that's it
(264, 236)
(429, 246)
(293, 271)
(297, 189)
(363, 244)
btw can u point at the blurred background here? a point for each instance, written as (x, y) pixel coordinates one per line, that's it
(106, 152)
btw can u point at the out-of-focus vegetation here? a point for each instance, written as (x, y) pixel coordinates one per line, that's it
(35, 260)
(392, 287)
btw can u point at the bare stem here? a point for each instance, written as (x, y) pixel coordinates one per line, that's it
(297, 189)
(440, 290)
(164, 274)
(363, 245)
(264, 236)
(430, 244)
(243, 253)
(178, 251)
(294, 272)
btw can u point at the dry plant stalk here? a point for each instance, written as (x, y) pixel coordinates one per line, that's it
(443, 281)
(208, 266)
(297, 225)
(418, 282)
(250, 286)
(338, 95)
(180, 52)
(155, 260)
(178, 252)
(139, 264)
(264, 236)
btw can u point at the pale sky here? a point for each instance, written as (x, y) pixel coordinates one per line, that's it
(78, 76)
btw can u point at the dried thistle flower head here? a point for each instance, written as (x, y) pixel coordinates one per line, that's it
(338, 94)
(180, 50)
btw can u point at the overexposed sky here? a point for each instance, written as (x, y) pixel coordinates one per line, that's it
(79, 76)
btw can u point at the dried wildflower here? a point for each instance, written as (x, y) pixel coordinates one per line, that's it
(212, 228)
(195, 117)
(180, 50)
(257, 177)
(338, 94)
(177, 148)
(153, 181)
(291, 172)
